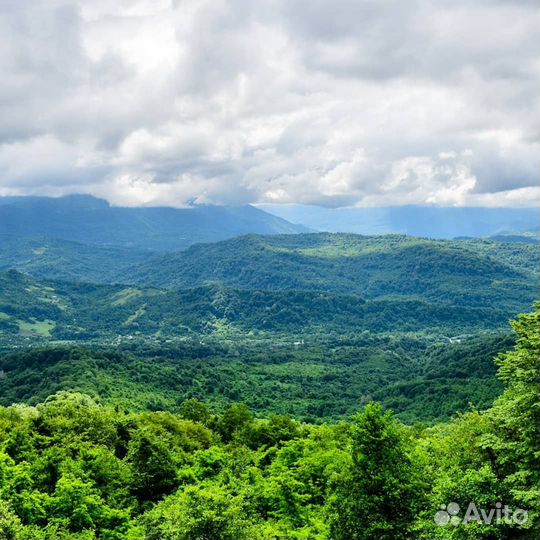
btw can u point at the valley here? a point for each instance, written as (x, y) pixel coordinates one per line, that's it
(223, 387)
(318, 323)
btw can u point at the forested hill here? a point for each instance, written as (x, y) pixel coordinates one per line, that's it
(44, 311)
(420, 381)
(73, 468)
(44, 257)
(294, 284)
(85, 219)
(470, 272)
(477, 273)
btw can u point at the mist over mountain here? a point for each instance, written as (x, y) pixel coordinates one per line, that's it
(423, 221)
(86, 219)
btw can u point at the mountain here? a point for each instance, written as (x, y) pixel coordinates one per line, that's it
(86, 219)
(474, 273)
(422, 221)
(313, 354)
(299, 285)
(523, 238)
(71, 261)
(466, 272)
(39, 312)
(306, 284)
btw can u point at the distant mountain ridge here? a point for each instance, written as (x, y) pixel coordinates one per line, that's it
(89, 220)
(421, 221)
(468, 272)
(51, 258)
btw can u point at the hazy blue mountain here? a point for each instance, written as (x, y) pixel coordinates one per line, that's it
(423, 221)
(82, 218)
(526, 238)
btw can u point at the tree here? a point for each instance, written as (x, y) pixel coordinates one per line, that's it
(154, 469)
(491, 458)
(10, 524)
(376, 496)
(234, 419)
(513, 442)
(209, 513)
(195, 410)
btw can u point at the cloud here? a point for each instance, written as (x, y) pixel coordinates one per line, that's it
(338, 103)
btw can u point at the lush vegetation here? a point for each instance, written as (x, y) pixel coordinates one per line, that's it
(312, 381)
(474, 273)
(228, 391)
(40, 311)
(51, 258)
(71, 467)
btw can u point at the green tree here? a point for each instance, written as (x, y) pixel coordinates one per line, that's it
(235, 418)
(513, 441)
(209, 513)
(492, 457)
(377, 495)
(10, 524)
(153, 465)
(195, 410)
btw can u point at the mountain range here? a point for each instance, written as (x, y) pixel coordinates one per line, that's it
(234, 304)
(86, 219)
(422, 221)
(300, 285)
(89, 220)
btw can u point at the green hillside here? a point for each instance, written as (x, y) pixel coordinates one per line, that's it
(50, 258)
(76, 466)
(314, 381)
(472, 273)
(40, 311)
(163, 408)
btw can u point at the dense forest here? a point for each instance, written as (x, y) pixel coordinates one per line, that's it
(269, 270)
(312, 382)
(35, 311)
(73, 466)
(469, 272)
(369, 266)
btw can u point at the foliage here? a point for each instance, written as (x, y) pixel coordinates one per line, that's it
(322, 380)
(71, 467)
(475, 273)
(296, 285)
(378, 495)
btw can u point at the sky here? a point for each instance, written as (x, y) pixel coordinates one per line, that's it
(324, 102)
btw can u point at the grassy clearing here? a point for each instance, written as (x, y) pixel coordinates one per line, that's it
(36, 328)
(125, 296)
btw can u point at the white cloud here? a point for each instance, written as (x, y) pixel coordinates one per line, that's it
(345, 102)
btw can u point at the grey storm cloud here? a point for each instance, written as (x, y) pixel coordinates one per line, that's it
(338, 103)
